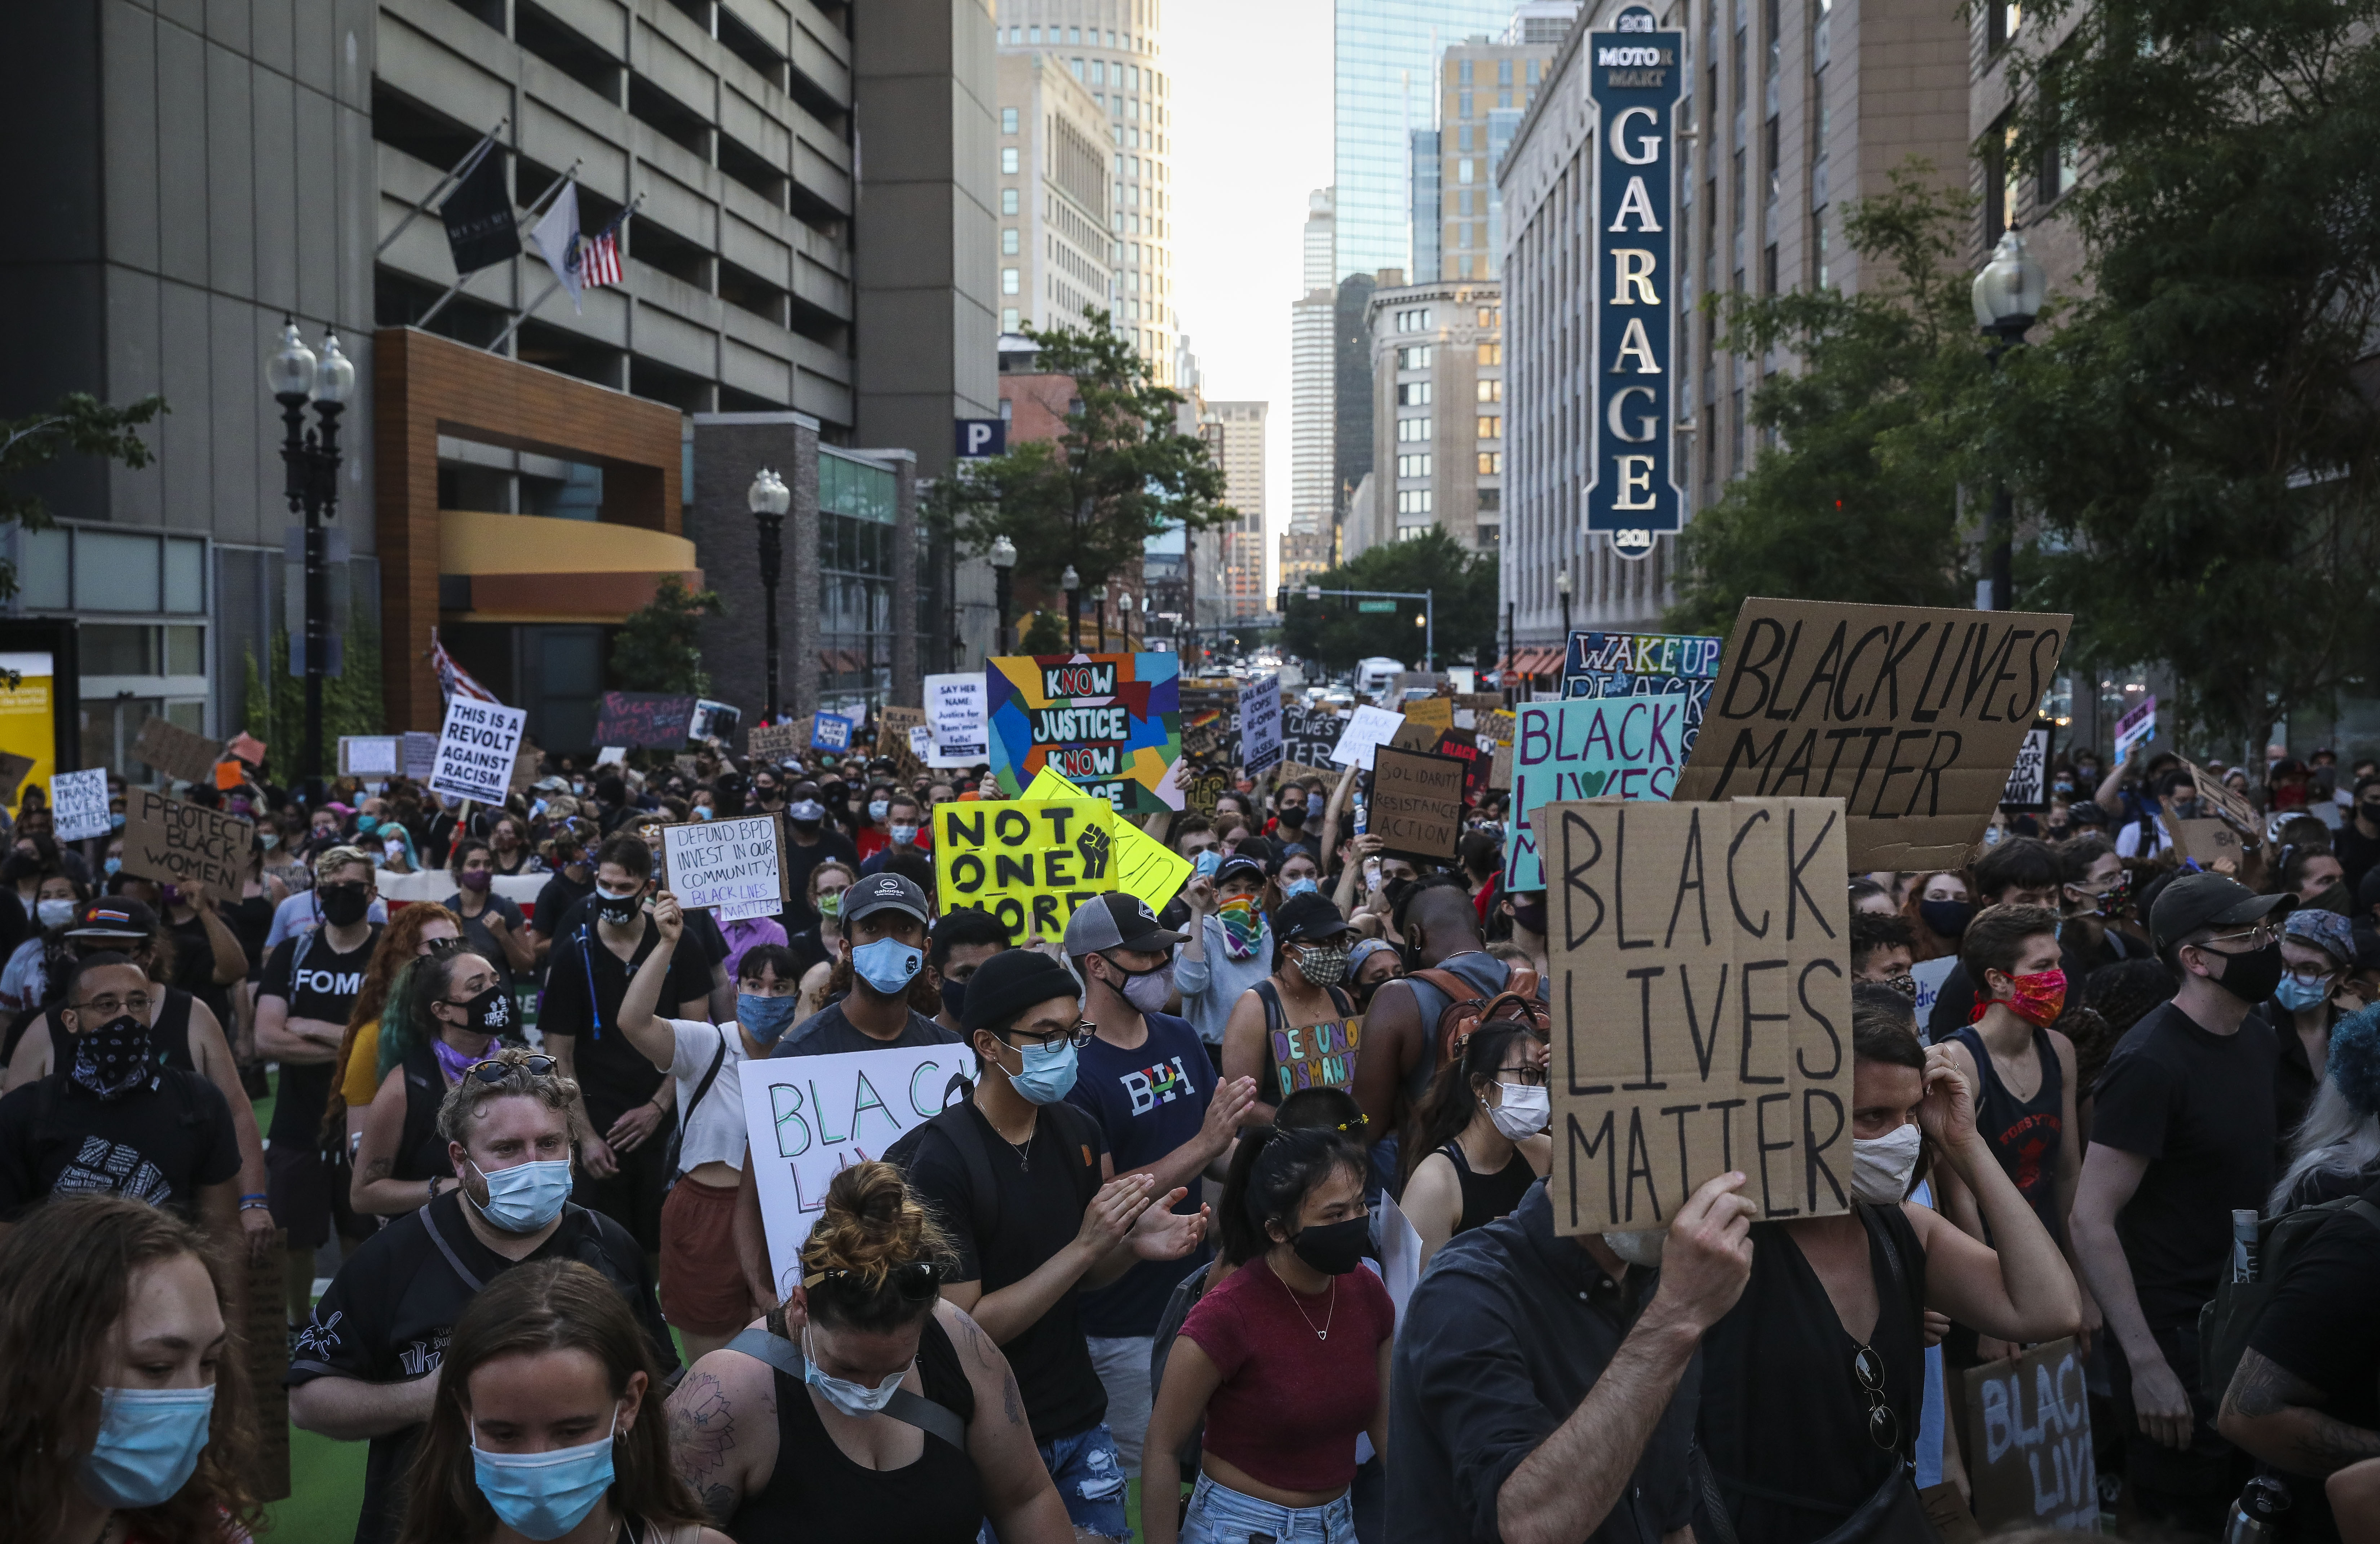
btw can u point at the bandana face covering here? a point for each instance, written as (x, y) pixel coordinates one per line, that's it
(113, 1060)
(1241, 927)
(2040, 998)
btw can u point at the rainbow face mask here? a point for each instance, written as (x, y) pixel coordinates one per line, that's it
(1242, 926)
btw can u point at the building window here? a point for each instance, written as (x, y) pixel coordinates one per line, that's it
(1413, 321)
(1818, 242)
(1008, 120)
(1008, 241)
(2059, 171)
(1008, 160)
(1491, 429)
(1462, 71)
(2003, 21)
(1008, 281)
(1491, 354)
(1413, 358)
(1503, 72)
(1491, 391)
(1412, 466)
(1463, 104)
(1462, 170)
(1007, 325)
(1411, 429)
(1413, 501)
(1414, 394)
(1491, 463)
(1999, 181)
(1008, 201)
(855, 622)
(1768, 269)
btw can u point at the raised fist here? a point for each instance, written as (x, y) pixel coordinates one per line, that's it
(1092, 845)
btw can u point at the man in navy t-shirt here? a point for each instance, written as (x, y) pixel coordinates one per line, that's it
(1145, 1078)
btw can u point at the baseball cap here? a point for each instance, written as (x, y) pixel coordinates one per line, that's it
(1244, 861)
(885, 892)
(1011, 981)
(1308, 918)
(113, 916)
(2193, 901)
(1117, 921)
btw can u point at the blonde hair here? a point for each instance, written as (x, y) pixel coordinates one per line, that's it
(870, 1227)
(464, 1101)
(330, 861)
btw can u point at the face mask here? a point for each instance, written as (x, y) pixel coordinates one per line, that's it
(2251, 977)
(2064, 786)
(1242, 926)
(544, 1495)
(1293, 815)
(830, 904)
(1642, 1247)
(148, 1445)
(342, 905)
(877, 808)
(1146, 990)
(1525, 1111)
(887, 964)
(170, 894)
(2295, 995)
(1314, 806)
(903, 835)
(1205, 863)
(857, 1400)
(112, 867)
(2039, 999)
(111, 1060)
(1881, 1165)
(366, 824)
(1333, 1248)
(490, 1013)
(1530, 917)
(765, 1018)
(1298, 887)
(1949, 918)
(1049, 1072)
(953, 999)
(577, 787)
(55, 914)
(474, 879)
(618, 910)
(268, 840)
(526, 1196)
(1325, 966)
(115, 823)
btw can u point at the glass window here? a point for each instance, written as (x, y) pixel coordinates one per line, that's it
(1008, 160)
(1007, 325)
(1008, 120)
(1008, 241)
(115, 571)
(1464, 111)
(1033, 34)
(41, 570)
(1491, 463)
(1098, 72)
(186, 651)
(186, 575)
(1073, 34)
(1462, 72)
(1491, 391)
(112, 649)
(1008, 201)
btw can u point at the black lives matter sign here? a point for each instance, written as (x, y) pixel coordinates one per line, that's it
(1700, 998)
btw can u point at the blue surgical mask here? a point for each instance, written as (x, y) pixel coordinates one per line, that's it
(2297, 996)
(765, 1018)
(877, 808)
(1207, 862)
(902, 836)
(112, 867)
(544, 1495)
(365, 824)
(114, 822)
(702, 812)
(148, 1445)
(526, 1197)
(888, 964)
(856, 1400)
(1049, 1072)
(1300, 887)
(1314, 806)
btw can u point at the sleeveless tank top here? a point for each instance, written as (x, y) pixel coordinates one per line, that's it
(814, 1491)
(420, 1151)
(1489, 1196)
(169, 1038)
(1309, 1055)
(2024, 1134)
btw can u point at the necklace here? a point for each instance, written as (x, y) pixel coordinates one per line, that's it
(1023, 1148)
(1323, 1333)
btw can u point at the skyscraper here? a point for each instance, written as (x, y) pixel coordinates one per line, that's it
(1384, 55)
(1234, 432)
(1311, 476)
(1052, 203)
(1482, 89)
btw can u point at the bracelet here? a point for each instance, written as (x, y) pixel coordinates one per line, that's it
(255, 1203)
(433, 1190)
(257, 1195)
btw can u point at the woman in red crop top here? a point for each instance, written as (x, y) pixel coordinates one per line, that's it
(1286, 1359)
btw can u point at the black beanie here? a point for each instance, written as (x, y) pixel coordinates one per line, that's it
(1010, 982)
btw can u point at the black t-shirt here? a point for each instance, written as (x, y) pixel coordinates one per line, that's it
(2199, 1107)
(554, 902)
(159, 1145)
(194, 966)
(584, 984)
(2318, 1326)
(389, 1312)
(829, 1032)
(482, 937)
(1040, 1213)
(324, 986)
(799, 860)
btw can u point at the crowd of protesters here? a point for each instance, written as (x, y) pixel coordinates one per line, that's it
(1132, 1281)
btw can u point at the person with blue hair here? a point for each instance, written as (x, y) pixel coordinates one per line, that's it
(2334, 1151)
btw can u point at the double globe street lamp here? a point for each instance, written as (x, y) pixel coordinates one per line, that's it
(311, 459)
(769, 499)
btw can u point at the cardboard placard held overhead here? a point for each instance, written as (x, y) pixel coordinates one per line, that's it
(1587, 748)
(831, 732)
(79, 805)
(2028, 779)
(1436, 711)
(1260, 735)
(2232, 807)
(653, 719)
(13, 769)
(478, 747)
(2207, 841)
(173, 751)
(2029, 1441)
(1307, 732)
(1416, 735)
(1369, 726)
(1417, 804)
(1028, 862)
(524, 765)
(734, 865)
(1701, 1012)
(173, 840)
(1109, 723)
(774, 744)
(1142, 865)
(1910, 715)
(892, 726)
(1201, 791)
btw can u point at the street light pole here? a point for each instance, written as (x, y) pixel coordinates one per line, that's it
(769, 498)
(311, 460)
(1004, 559)
(1099, 609)
(2008, 295)
(1562, 588)
(1072, 583)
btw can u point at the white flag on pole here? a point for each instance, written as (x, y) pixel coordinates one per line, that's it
(556, 233)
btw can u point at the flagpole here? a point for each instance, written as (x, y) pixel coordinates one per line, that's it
(462, 169)
(542, 199)
(505, 336)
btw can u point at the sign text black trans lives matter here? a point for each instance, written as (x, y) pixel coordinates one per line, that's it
(1635, 77)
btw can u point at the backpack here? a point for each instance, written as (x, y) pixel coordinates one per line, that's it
(1466, 1010)
(1078, 1131)
(2229, 1317)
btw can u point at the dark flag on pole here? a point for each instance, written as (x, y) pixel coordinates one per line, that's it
(480, 226)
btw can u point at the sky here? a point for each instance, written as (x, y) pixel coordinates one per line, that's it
(1251, 113)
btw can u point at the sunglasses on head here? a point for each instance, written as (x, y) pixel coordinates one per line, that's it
(496, 1071)
(916, 1281)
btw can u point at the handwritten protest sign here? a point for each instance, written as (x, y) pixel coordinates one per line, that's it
(810, 1117)
(79, 805)
(173, 840)
(653, 719)
(1436, 711)
(1416, 735)
(1027, 862)
(830, 732)
(371, 755)
(1619, 747)
(1416, 803)
(1701, 997)
(2137, 726)
(2028, 778)
(2029, 1441)
(1142, 865)
(1307, 732)
(893, 728)
(476, 748)
(1109, 723)
(773, 744)
(954, 712)
(1910, 715)
(1929, 974)
(525, 764)
(1682, 665)
(173, 751)
(731, 865)
(2229, 804)
(1201, 791)
(1260, 739)
(2207, 842)
(420, 748)
(1370, 726)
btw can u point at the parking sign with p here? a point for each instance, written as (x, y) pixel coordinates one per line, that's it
(980, 437)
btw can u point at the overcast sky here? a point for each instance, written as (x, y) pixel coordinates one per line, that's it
(1252, 83)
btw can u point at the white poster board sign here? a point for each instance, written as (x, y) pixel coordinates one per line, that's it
(1369, 728)
(476, 747)
(809, 1116)
(1260, 724)
(1929, 974)
(371, 755)
(954, 708)
(731, 866)
(79, 805)
(1400, 1256)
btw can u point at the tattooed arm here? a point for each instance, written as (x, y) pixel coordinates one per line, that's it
(2272, 1413)
(722, 1430)
(1023, 1504)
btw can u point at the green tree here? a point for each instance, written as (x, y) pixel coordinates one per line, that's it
(1045, 632)
(1337, 635)
(1857, 500)
(2198, 435)
(659, 647)
(1120, 472)
(79, 425)
(351, 699)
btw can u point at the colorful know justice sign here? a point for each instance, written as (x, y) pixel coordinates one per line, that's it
(1635, 78)
(1110, 724)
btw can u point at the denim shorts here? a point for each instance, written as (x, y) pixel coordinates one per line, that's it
(1090, 1481)
(1220, 1514)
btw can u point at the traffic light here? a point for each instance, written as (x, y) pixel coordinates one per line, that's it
(1281, 600)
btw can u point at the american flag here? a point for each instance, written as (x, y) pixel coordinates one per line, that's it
(597, 259)
(453, 679)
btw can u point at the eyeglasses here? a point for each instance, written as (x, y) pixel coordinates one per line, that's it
(918, 1282)
(1883, 1426)
(1531, 1078)
(496, 1072)
(108, 1007)
(2315, 976)
(2263, 935)
(1078, 1037)
(1905, 985)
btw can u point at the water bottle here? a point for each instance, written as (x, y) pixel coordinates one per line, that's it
(2258, 1517)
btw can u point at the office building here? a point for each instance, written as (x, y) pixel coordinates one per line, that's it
(1053, 195)
(1802, 106)
(1112, 48)
(1312, 376)
(1234, 432)
(1385, 55)
(1438, 376)
(1351, 407)
(1483, 88)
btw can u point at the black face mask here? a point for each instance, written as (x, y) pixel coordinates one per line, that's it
(111, 1060)
(955, 997)
(618, 910)
(1293, 815)
(490, 1013)
(342, 905)
(1334, 1248)
(2250, 977)
(1530, 915)
(1949, 918)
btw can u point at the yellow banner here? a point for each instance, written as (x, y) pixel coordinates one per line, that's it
(1028, 862)
(1144, 865)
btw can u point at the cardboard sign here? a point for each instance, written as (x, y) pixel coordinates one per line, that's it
(1261, 737)
(1910, 715)
(1502, 725)
(1028, 862)
(830, 732)
(2028, 779)
(173, 751)
(371, 755)
(658, 719)
(730, 866)
(954, 712)
(420, 752)
(1702, 1006)
(1682, 665)
(525, 767)
(775, 744)
(1418, 736)
(79, 805)
(268, 1362)
(1143, 865)
(810, 1117)
(173, 840)
(1623, 748)
(1436, 711)
(477, 749)
(1301, 772)
(13, 768)
(2207, 841)
(2029, 1441)
(1369, 727)
(894, 728)
(2233, 807)
(612, 756)
(1203, 791)
(1109, 723)
(1417, 804)
(2137, 726)
(1499, 772)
